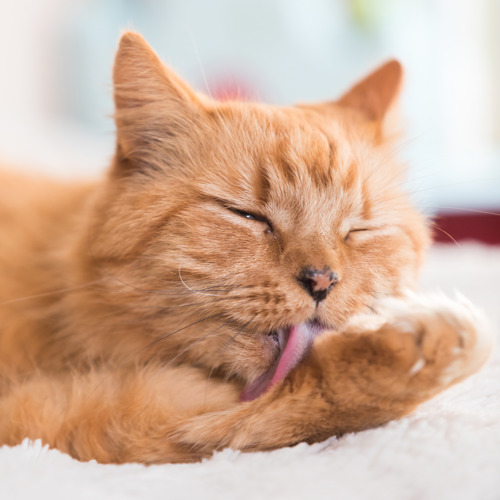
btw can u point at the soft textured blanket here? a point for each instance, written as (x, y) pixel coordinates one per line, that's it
(448, 449)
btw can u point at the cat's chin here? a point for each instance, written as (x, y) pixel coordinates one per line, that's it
(294, 342)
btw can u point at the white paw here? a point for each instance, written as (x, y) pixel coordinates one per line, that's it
(451, 334)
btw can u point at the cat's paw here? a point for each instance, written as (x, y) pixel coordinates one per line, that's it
(429, 341)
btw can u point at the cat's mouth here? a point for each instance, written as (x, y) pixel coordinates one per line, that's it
(294, 343)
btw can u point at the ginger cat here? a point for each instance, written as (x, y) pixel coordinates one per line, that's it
(238, 279)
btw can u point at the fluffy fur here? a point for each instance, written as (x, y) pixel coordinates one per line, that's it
(136, 312)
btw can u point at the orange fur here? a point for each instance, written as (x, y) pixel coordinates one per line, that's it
(135, 310)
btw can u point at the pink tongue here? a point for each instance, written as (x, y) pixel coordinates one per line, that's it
(300, 339)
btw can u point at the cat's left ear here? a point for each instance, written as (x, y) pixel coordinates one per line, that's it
(156, 113)
(375, 95)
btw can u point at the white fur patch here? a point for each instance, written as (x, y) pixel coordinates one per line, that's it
(417, 313)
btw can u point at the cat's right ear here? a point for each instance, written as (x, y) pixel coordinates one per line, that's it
(375, 95)
(372, 101)
(155, 111)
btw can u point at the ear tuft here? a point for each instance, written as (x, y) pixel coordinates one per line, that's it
(374, 95)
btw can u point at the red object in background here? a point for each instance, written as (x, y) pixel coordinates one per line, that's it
(232, 88)
(480, 226)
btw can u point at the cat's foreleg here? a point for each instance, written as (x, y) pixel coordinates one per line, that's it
(379, 369)
(112, 415)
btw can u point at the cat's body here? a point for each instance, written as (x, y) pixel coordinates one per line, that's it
(210, 291)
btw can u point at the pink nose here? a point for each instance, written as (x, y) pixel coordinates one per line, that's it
(317, 283)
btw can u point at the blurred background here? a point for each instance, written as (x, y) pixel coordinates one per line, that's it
(56, 58)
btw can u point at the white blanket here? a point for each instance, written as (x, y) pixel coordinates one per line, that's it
(448, 449)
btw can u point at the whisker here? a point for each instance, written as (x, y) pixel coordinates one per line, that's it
(167, 291)
(223, 348)
(215, 107)
(48, 294)
(188, 287)
(472, 210)
(372, 309)
(241, 353)
(435, 226)
(179, 330)
(203, 337)
(160, 308)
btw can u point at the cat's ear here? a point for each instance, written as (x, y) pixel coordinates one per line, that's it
(154, 109)
(374, 96)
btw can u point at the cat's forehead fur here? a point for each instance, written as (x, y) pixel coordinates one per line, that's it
(294, 162)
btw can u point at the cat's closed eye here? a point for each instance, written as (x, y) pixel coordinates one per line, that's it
(358, 230)
(242, 213)
(252, 216)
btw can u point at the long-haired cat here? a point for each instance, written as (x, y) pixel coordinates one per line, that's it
(240, 278)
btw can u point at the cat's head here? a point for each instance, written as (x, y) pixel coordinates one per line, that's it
(237, 232)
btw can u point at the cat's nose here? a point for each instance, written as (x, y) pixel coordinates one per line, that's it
(317, 283)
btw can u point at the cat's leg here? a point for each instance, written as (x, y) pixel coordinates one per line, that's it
(112, 416)
(379, 369)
